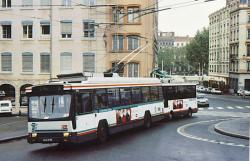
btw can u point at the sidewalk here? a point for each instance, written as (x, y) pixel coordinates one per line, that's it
(236, 128)
(12, 128)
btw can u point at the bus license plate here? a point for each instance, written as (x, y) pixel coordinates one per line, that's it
(48, 140)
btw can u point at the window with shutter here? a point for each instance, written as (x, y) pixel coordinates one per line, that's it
(6, 62)
(89, 62)
(66, 63)
(27, 62)
(45, 63)
(66, 29)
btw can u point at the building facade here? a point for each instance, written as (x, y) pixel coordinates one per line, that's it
(132, 27)
(239, 44)
(40, 39)
(219, 27)
(168, 39)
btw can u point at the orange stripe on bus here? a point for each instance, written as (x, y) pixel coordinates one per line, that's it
(86, 133)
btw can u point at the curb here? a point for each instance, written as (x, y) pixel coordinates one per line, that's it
(219, 130)
(4, 140)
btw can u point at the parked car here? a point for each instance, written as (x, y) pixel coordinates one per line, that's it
(216, 91)
(5, 107)
(202, 100)
(201, 89)
(240, 92)
(208, 90)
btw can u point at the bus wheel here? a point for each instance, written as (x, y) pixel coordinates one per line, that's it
(102, 132)
(147, 120)
(190, 113)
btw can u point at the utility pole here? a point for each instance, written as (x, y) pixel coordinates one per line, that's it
(51, 42)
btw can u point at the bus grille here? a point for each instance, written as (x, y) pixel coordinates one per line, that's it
(50, 135)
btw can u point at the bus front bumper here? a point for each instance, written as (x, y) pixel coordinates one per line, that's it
(48, 138)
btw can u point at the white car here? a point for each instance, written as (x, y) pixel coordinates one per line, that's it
(240, 92)
(216, 91)
(5, 107)
(202, 100)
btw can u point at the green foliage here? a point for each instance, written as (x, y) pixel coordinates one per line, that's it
(198, 50)
(172, 57)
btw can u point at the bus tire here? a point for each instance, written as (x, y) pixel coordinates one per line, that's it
(102, 131)
(147, 120)
(190, 113)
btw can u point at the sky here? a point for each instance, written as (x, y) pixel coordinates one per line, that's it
(186, 20)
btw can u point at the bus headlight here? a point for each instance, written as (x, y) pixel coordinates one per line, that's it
(33, 135)
(66, 134)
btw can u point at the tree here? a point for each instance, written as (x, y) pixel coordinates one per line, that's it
(173, 60)
(198, 51)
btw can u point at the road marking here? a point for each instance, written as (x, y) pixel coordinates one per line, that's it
(220, 108)
(181, 131)
(201, 109)
(239, 107)
(229, 107)
(210, 108)
(247, 106)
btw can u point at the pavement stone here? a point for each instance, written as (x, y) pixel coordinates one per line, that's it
(236, 128)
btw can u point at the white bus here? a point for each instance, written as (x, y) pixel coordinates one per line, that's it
(73, 111)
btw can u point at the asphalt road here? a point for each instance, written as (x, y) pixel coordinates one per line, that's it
(185, 139)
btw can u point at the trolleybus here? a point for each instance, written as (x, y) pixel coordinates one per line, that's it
(76, 110)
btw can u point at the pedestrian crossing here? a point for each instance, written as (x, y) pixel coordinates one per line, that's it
(227, 107)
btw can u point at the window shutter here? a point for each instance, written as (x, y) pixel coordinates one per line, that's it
(45, 62)
(66, 62)
(27, 62)
(6, 61)
(66, 27)
(88, 62)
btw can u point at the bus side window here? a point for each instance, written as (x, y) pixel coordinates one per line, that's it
(136, 95)
(101, 100)
(145, 94)
(125, 94)
(154, 93)
(113, 97)
(160, 93)
(85, 103)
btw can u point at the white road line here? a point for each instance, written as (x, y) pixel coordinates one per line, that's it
(229, 107)
(201, 109)
(247, 106)
(220, 108)
(210, 108)
(181, 130)
(239, 107)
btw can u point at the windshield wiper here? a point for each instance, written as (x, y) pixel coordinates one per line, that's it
(45, 105)
(53, 103)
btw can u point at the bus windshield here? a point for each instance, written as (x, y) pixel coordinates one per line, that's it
(49, 107)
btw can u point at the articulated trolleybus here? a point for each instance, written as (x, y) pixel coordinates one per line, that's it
(80, 108)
